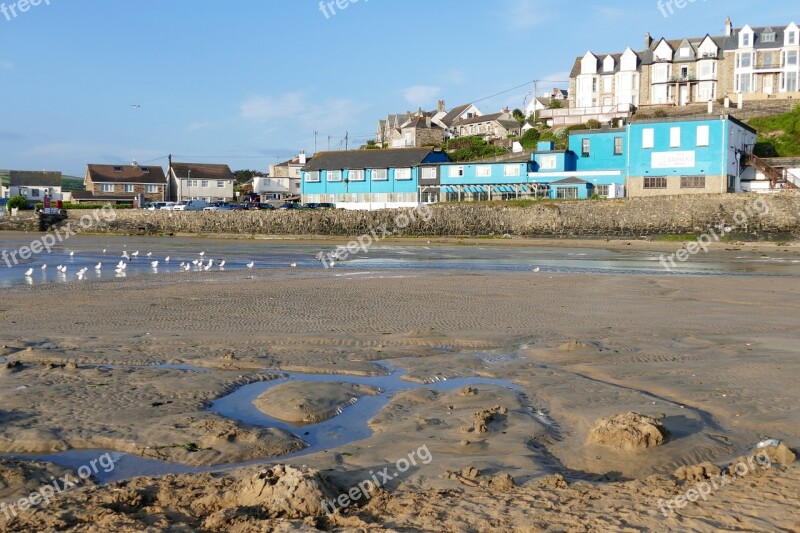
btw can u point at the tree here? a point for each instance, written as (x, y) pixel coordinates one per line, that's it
(555, 104)
(530, 139)
(519, 115)
(18, 202)
(243, 176)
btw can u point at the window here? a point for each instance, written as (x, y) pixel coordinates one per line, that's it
(768, 37)
(204, 184)
(456, 172)
(151, 189)
(594, 85)
(128, 188)
(693, 182)
(483, 171)
(660, 73)
(648, 138)
(146, 170)
(745, 60)
(334, 175)
(706, 69)
(511, 171)
(34, 193)
(791, 37)
(743, 83)
(402, 174)
(703, 135)
(567, 193)
(586, 145)
(192, 183)
(107, 187)
(23, 191)
(380, 174)
(312, 177)
(548, 162)
(674, 137)
(684, 51)
(117, 169)
(745, 39)
(602, 190)
(791, 57)
(790, 82)
(429, 173)
(617, 145)
(220, 184)
(655, 183)
(356, 175)
(608, 84)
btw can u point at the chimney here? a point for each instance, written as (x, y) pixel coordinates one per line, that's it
(728, 27)
(302, 159)
(648, 40)
(505, 110)
(442, 107)
(427, 122)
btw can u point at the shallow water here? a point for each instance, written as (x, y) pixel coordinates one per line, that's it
(351, 425)
(88, 251)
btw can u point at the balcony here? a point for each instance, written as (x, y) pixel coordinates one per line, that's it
(768, 65)
(683, 79)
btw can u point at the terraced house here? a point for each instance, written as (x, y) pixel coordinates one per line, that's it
(121, 184)
(200, 181)
(754, 62)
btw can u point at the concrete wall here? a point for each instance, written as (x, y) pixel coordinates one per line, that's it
(628, 217)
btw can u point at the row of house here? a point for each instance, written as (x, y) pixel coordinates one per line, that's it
(127, 184)
(754, 62)
(696, 155)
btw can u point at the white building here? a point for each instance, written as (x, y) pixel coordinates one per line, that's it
(196, 181)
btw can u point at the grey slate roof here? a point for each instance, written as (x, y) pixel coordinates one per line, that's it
(570, 181)
(202, 171)
(494, 117)
(362, 159)
(24, 178)
(127, 174)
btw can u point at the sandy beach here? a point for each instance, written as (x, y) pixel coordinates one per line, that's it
(135, 365)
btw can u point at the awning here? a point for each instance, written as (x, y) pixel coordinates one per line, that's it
(449, 190)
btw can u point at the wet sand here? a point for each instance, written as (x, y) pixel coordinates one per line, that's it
(714, 357)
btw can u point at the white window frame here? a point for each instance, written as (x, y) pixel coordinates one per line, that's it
(334, 176)
(703, 135)
(483, 171)
(107, 187)
(791, 58)
(356, 175)
(220, 184)
(204, 184)
(402, 174)
(548, 162)
(675, 137)
(428, 173)
(648, 138)
(380, 174)
(456, 171)
(151, 189)
(129, 188)
(511, 171)
(312, 176)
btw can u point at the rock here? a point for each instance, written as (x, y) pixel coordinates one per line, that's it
(502, 482)
(699, 472)
(780, 454)
(482, 419)
(468, 391)
(556, 481)
(628, 431)
(286, 492)
(470, 472)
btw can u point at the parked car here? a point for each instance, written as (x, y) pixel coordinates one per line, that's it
(219, 206)
(266, 207)
(322, 205)
(290, 205)
(168, 206)
(190, 205)
(155, 206)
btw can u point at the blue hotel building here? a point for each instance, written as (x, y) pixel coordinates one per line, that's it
(645, 158)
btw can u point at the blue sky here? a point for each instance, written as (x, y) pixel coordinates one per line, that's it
(247, 82)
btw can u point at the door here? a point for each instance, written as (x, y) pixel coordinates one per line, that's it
(684, 95)
(768, 84)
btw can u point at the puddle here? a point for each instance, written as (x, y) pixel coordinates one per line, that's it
(351, 425)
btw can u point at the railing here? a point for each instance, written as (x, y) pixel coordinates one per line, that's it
(792, 178)
(770, 65)
(677, 79)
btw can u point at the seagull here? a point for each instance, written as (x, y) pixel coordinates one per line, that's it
(29, 273)
(44, 267)
(222, 264)
(154, 264)
(125, 255)
(251, 264)
(166, 260)
(187, 267)
(99, 266)
(195, 262)
(149, 254)
(207, 267)
(104, 250)
(293, 265)
(64, 270)
(537, 269)
(71, 254)
(210, 263)
(135, 254)
(201, 254)
(119, 270)
(136, 106)
(80, 276)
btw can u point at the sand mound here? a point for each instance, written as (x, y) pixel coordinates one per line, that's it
(309, 403)
(699, 472)
(780, 454)
(628, 431)
(283, 491)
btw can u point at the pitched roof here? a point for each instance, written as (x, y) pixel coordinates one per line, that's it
(453, 114)
(503, 118)
(126, 174)
(421, 123)
(24, 178)
(570, 181)
(202, 171)
(362, 159)
(293, 161)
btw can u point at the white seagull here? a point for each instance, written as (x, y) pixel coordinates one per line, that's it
(125, 255)
(201, 254)
(251, 264)
(29, 273)
(135, 254)
(188, 267)
(154, 264)
(71, 254)
(99, 266)
(537, 269)
(293, 265)
(166, 260)
(44, 267)
(104, 250)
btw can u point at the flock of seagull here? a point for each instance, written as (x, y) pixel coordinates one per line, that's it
(122, 265)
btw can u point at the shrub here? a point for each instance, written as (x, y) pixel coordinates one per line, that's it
(660, 113)
(530, 138)
(593, 124)
(18, 202)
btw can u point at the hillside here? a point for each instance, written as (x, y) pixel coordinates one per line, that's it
(71, 183)
(778, 135)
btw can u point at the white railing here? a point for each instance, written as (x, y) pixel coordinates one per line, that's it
(792, 178)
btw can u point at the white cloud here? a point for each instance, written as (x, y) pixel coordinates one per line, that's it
(421, 95)
(295, 106)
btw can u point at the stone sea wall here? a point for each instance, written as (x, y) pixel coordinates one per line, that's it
(763, 215)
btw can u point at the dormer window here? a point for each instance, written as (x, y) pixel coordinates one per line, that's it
(768, 37)
(146, 170)
(117, 169)
(791, 37)
(685, 51)
(745, 39)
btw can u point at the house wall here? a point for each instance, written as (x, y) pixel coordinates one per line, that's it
(119, 189)
(496, 176)
(35, 193)
(185, 191)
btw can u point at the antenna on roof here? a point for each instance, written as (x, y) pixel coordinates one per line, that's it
(134, 164)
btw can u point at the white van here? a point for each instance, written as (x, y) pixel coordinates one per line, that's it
(190, 205)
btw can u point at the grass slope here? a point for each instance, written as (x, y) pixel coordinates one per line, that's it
(778, 135)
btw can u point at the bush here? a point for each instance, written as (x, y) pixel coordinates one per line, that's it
(660, 113)
(18, 202)
(593, 124)
(530, 139)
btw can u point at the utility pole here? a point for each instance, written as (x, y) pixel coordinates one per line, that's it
(168, 194)
(346, 140)
(535, 98)
(315, 141)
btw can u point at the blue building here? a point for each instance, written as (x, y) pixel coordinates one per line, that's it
(371, 179)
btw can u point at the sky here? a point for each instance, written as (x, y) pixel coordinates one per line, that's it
(248, 82)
